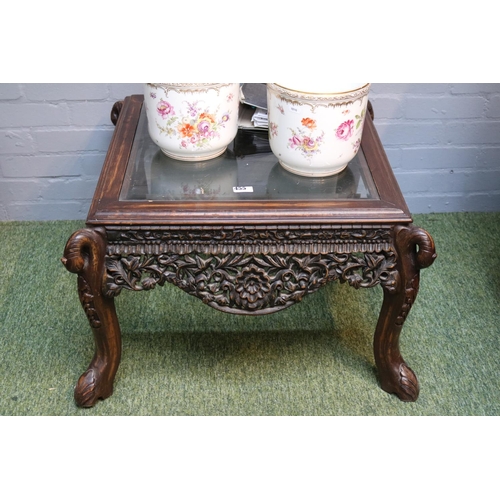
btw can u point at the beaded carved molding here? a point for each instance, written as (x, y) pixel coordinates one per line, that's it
(247, 239)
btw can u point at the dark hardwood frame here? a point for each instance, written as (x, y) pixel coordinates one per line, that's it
(213, 250)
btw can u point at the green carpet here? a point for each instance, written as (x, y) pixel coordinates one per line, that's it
(181, 357)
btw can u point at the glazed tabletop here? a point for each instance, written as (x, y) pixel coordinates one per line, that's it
(139, 184)
(248, 170)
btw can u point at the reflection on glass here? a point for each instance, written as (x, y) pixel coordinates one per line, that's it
(247, 171)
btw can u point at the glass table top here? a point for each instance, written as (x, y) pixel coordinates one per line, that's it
(248, 171)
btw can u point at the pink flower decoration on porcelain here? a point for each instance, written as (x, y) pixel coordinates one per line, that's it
(308, 146)
(165, 109)
(273, 129)
(204, 128)
(344, 131)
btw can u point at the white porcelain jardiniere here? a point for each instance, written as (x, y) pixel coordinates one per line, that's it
(316, 131)
(192, 121)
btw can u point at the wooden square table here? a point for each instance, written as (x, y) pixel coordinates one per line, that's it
(243, 235)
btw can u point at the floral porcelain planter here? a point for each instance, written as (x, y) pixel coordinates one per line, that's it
(317, 132)
(192, 121)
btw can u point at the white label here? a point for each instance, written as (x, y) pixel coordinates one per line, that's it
(243, 189)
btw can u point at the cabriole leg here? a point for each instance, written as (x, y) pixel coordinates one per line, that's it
(415, 249)
(84, 255)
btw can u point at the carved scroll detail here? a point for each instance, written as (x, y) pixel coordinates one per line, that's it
(418, 245)
(249, 284)
(115, 111)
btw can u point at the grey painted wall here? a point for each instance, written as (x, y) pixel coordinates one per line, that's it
(442, 139)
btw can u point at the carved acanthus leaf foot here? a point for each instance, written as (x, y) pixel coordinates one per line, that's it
(90, 388)
(408, 382)
(401, 381)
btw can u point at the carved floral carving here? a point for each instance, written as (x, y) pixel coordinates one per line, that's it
(249, 284)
